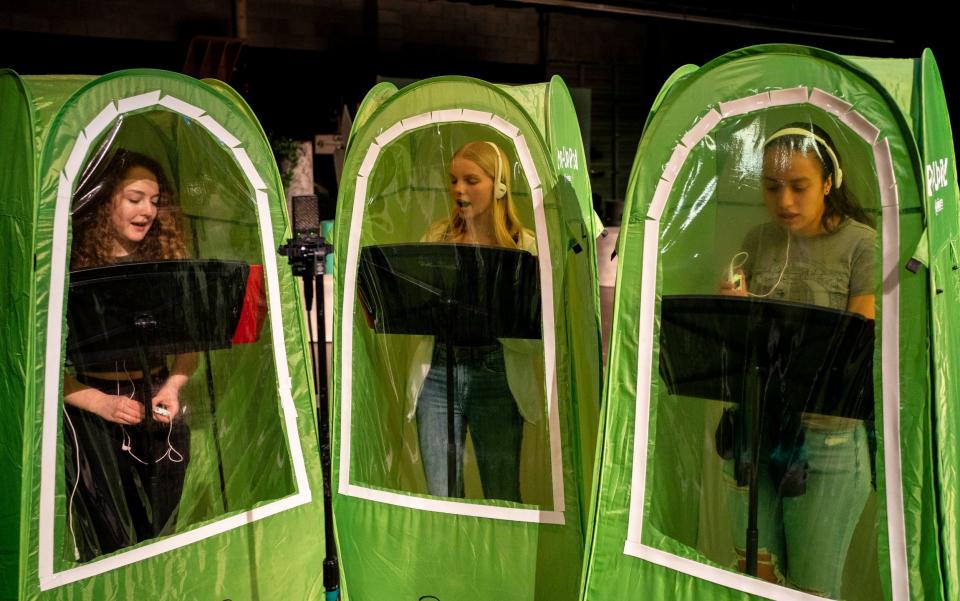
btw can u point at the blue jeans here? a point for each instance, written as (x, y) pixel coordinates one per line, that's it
(484, 405)
(808, 536)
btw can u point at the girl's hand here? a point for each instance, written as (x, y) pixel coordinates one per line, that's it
(728, 288)
(167, 398)
(118, 409)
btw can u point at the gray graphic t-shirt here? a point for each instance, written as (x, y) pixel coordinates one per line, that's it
(823, 270)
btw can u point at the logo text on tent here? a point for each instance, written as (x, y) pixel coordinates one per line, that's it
(936, 176)
(567, 158)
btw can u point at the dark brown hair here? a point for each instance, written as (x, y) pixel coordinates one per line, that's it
(839, 202)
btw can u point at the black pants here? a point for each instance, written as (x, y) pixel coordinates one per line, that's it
(120, 501)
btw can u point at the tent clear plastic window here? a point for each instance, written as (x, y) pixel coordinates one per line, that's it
(171, 408)
(434, 287)
(766, 337)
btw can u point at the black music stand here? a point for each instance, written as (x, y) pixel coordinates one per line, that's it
(142, 311)
(464, 295)
(772, 357)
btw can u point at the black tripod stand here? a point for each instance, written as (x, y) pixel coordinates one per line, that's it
(307, 253)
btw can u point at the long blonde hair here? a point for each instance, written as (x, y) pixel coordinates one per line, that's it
(507, 227)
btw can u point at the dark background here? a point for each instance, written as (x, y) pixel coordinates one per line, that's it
(304, 59)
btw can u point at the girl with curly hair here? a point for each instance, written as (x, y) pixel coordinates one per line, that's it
(119, 494)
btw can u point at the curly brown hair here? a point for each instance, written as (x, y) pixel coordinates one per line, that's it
(91, 218)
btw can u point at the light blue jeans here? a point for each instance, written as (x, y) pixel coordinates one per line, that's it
(808, 536)
(483, 405)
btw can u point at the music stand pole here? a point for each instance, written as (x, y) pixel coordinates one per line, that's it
(143, 325)
(450, 310)
(755, 418)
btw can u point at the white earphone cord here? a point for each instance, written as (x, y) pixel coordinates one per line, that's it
(76, 484)
(786, 260)
(171, 453)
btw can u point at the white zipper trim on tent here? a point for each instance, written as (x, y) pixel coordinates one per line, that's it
(890, 344)
(53, 368)
(512, 132)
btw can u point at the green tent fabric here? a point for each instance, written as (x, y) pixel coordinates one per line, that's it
(666, 504)
(396, 540)
(250, 518)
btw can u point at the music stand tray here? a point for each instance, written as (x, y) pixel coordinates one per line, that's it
(176, 307)
(140, 311)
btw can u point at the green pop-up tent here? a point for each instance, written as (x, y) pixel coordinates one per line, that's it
(249, 522)
(665, 523)
(396, 539)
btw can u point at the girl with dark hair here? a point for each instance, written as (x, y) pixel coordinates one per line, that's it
(818, 248)
(118, 494)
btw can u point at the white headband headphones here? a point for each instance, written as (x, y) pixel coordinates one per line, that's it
(500, 188)
(798, 131)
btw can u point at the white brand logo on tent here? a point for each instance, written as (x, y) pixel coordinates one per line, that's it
(567, 158)
(936, 176)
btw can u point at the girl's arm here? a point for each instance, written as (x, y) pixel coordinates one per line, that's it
(118, 409)
(862, 304)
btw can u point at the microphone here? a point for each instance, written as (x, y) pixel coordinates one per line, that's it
(307, 250)
(306, 215)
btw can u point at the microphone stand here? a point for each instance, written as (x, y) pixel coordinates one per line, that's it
(307, 253)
